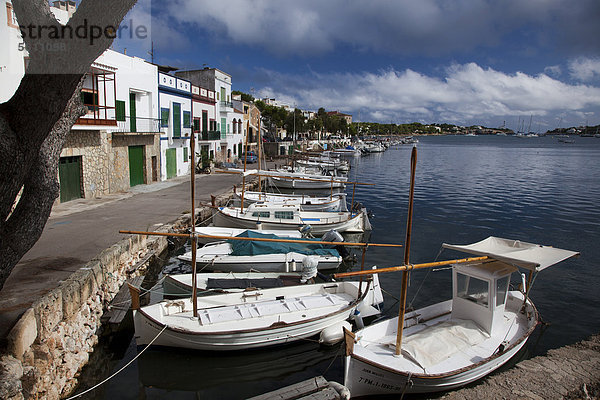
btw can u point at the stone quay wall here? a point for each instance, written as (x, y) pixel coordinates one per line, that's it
(53, 339)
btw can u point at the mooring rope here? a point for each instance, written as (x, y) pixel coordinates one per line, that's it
(121, 369)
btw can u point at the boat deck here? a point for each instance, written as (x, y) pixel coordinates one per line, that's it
(263, 313)
(446, 355)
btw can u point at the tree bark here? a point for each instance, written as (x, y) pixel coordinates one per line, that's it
(34, 123)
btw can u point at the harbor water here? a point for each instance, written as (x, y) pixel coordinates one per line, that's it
(467, 188)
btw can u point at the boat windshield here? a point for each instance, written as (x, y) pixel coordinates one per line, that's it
(473, 289)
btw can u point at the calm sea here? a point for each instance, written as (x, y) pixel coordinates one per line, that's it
(467, 188)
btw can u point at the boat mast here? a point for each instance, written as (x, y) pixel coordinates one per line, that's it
(413, 167)
(193, 224)
(244, 175)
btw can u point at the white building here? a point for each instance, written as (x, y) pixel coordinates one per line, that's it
(175, 114)
(116, 144)
(228, 121)
(13, 56)
(205, 123)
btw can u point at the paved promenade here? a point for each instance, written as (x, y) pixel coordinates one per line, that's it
(79, 230)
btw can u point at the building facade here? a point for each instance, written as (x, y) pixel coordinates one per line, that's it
(205, 124)
(228, 121)
(116, 144)
(175, 115)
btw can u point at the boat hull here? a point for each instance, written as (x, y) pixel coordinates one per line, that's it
(287, 183)
(355, 224)
(364, 378)
(252, 319)
(291, 262)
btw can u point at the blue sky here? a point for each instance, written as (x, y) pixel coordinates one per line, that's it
(457, 61)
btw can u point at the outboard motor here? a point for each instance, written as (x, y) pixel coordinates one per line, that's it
(305, 231)
(335, 236)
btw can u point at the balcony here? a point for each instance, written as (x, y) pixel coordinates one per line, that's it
(209, 135)
(139, 125)
(225, 105)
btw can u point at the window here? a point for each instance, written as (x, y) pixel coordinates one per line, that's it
(90, 100)
(185, 155)
(284, 214)
(186, 119)
(472, 289)
(501, 289)
(120, 110)
(196, 124)
(261, 214)
(164, 117)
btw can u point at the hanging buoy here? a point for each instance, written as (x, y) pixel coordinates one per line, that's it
(334, 334)
(358, 319)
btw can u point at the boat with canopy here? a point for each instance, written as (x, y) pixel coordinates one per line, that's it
(452, 343)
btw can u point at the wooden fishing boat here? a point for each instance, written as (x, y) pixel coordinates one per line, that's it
(455, 342)
(335, 202)
(180, 285)
(243, 256)
(291, 217)
(253, 319)
(231, 232)
(302, 180)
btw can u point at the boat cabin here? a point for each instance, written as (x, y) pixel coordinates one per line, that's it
(264, 210)
(479, 293)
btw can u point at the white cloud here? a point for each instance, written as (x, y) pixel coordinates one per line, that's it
(584, 69)
(466, 93)
(429, 27)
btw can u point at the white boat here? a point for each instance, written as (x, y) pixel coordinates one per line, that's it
(335, 202)
(253, 319)
(231, 232)
(306, 181)
(220, 256)
(180, 285)
(290, 217)
(455, 342)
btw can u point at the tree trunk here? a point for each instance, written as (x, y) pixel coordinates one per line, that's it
(34, 123)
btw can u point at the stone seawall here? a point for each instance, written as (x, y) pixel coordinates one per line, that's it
(53, 339)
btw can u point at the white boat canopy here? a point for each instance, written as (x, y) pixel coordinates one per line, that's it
(530, 256)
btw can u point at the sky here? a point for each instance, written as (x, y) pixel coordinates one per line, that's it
(466, 62)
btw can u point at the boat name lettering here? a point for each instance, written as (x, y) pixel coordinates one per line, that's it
(368, 371)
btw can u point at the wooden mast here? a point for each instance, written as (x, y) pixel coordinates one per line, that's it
(244, 175)
(402, 311)
(259, 153)
(193, 224)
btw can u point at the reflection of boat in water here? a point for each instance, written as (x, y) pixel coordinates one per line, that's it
(232, 374)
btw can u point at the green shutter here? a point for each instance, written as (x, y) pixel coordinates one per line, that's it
(204, 121)
(176, 120)
(185, 154)
(196, 125)
(223, 128)
(120, 110)
(186, 119)
(164, 117)
(132, 116)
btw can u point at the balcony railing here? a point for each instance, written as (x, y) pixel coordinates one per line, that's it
(139, 124)
(226, 104)
(210, 135)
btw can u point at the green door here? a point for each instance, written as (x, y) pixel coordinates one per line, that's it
(69, 175)
(204, 121)
(176, 120)
(136, 165)
(171, 163)
(223, 128)
(132, 116)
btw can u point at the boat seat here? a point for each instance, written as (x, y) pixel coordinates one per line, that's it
(270, 307)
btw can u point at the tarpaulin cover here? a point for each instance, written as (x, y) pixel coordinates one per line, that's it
(254, 248)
